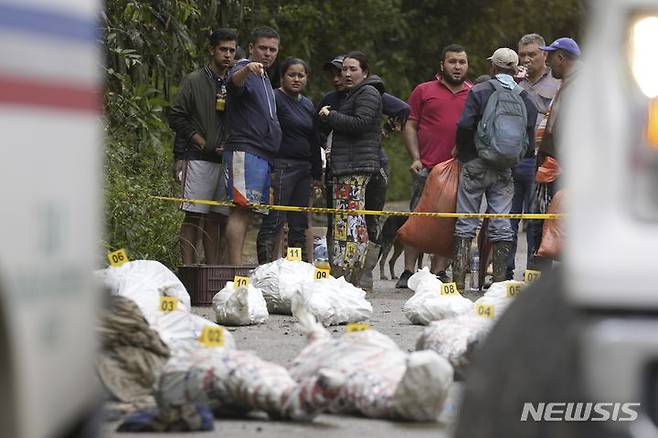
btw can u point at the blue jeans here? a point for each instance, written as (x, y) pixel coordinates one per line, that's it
(477, 180)
(524, 192)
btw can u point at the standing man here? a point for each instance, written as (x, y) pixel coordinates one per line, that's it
(429, 136)
(495, 131)
(564, 61)
(542, 86)
(254, 137)
(199, 119)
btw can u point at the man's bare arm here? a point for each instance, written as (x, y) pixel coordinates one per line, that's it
(410, 135)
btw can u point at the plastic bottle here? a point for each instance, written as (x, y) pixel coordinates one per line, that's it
(322, 264)
(475, 270)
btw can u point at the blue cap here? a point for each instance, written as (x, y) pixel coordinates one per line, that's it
(566, 44)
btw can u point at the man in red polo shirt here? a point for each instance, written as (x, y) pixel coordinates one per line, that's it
(429, 135)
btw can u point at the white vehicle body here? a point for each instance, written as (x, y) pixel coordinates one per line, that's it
(611, 172)
(50, 126)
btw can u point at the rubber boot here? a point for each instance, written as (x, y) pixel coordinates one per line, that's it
(353, 275)
(264, 249)
(501, 251)
(372, 257)
(460, 261)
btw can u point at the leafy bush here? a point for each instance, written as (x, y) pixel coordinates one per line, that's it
(147, 228)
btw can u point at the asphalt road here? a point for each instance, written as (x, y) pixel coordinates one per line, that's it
(279, 341)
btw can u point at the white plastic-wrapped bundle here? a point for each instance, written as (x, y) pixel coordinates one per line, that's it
(234, 381)
(427, 304)
(380, 380)
(146, 282)
(278, 280)
(497, 296)
(332, 301)
(455, 338)
(239, 306)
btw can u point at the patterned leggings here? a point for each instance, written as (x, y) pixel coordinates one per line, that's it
(350, 233)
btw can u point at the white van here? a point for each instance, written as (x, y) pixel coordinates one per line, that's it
(50, 222)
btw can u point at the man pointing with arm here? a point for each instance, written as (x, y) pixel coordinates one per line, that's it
(254, 137)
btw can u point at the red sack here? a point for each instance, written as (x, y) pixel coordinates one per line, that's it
(430, 234)
(553, 230)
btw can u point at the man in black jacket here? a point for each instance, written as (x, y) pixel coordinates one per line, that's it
(199, 119)
(482, 176)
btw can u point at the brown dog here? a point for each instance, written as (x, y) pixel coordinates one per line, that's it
(389, 240)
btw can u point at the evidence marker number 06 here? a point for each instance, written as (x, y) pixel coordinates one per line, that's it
(118, 257)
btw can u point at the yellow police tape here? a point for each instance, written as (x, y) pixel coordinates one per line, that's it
(365, 212)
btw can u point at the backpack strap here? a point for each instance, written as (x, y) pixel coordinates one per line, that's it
(496, 84)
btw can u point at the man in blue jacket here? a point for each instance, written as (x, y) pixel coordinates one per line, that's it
(254, 136)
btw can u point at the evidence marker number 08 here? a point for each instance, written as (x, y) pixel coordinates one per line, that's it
(449, 289)
(321, 274)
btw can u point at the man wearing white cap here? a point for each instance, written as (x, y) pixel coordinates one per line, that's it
(495, 131)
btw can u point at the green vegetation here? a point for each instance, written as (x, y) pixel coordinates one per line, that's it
(150, 45)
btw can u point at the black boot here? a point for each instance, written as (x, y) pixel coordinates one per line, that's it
(501, 251)
(460, 262)
(264, 249)
(539, 263)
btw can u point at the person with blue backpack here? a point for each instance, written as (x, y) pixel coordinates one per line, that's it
(495, 131)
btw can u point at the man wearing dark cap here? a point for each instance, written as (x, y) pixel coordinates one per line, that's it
(488, 156)
(564, 61)
(397, 112)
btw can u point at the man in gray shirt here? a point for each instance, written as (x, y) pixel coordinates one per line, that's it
(542, 87)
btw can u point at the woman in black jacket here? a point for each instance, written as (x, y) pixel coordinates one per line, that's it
(354, 158)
